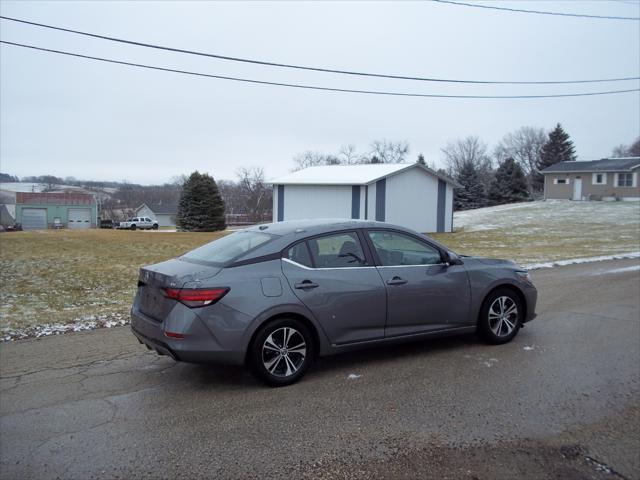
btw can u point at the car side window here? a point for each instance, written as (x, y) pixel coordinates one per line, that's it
(396, 248)
(337, 251)
(299, 253)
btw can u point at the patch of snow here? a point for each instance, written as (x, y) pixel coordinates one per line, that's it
(573, 261)
(527, 348)
(633, 268)
(88, 322)
(353, 376)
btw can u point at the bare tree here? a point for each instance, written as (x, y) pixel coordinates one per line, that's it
(313, 159)
(632, 150)
(388, 152)
(468, 150)
(347, 155)
(524, 146)
(234, 201)
(257, 194)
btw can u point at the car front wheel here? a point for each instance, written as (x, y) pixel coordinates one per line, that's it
(133, 227)
(501, 316)
(281, 352)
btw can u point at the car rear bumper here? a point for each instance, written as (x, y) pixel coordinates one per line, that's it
(197, 346)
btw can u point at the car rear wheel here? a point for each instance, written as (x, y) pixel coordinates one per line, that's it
(501, 316)
(133, 227)
(281, 352)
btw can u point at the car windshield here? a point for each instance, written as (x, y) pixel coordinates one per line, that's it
(228, 248)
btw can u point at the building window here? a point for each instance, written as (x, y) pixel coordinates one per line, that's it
(625, 180)
(599, 179)
(561, 181)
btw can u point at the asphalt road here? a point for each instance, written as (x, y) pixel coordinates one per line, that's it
(560, 401)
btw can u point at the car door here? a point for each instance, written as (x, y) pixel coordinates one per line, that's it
(423, 293)
(339, 284)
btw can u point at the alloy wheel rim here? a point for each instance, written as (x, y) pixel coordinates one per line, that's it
(284, 352)
(503, 316)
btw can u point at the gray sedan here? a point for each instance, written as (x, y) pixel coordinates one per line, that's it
(274, 297)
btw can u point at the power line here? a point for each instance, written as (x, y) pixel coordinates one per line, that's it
(315, 69)
(314, 87)
(538, 12)
(628, 2)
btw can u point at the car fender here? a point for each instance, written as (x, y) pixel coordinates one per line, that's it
(283, 310)
(477, 297)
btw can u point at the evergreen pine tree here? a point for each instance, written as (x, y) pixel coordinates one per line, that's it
(421, 160)
(201, 208)
(470, 193)
(559, 148)
(509, 184)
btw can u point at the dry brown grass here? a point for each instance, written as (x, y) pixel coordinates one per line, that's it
(65, 276)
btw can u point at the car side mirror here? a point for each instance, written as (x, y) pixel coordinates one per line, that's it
(449, 258)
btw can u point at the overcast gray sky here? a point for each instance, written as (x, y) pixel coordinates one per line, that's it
(73, 117)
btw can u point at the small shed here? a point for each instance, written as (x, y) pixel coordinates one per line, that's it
(163, 213)
(56, 210)
(409, 195)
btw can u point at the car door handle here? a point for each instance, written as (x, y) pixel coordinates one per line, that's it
(306, 284)
(396, 281)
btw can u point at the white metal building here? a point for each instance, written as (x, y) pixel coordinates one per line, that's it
(410, 195)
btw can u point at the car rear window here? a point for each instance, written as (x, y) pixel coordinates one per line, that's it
(299, 253)
(227, 248)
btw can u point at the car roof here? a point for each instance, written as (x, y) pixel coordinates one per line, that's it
(315, 226)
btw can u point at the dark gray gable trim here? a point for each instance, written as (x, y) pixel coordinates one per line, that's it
(366, 202)
(280, 203)
(355, 201)
(442, 203)
(381, 194)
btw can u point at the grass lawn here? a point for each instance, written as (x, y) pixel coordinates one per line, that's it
(546, 231)
(64, 277)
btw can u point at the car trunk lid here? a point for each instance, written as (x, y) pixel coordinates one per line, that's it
(174, 273)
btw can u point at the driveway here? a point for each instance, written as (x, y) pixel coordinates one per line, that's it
(560, 401)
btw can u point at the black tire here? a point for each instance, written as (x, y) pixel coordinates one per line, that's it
(261, 354)
(495, 324)
(133, 227)
(155, 226)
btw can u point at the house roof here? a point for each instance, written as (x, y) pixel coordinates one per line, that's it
(349, 174)
(161, 208)
(603, 165)
(49, 198)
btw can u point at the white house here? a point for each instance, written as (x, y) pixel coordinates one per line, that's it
(163, 213)
(410, 195)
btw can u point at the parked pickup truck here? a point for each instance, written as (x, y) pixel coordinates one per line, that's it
(142, 223)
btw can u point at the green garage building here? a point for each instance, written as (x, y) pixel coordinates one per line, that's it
(56, 210)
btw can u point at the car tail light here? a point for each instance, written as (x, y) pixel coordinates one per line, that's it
(195, 297)
(177, 336)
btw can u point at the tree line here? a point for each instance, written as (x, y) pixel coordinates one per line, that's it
(508, 173)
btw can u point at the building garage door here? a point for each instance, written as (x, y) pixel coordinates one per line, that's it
(34, 218)
(79, 218)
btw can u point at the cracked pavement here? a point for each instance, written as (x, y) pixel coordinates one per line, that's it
(560, 401)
